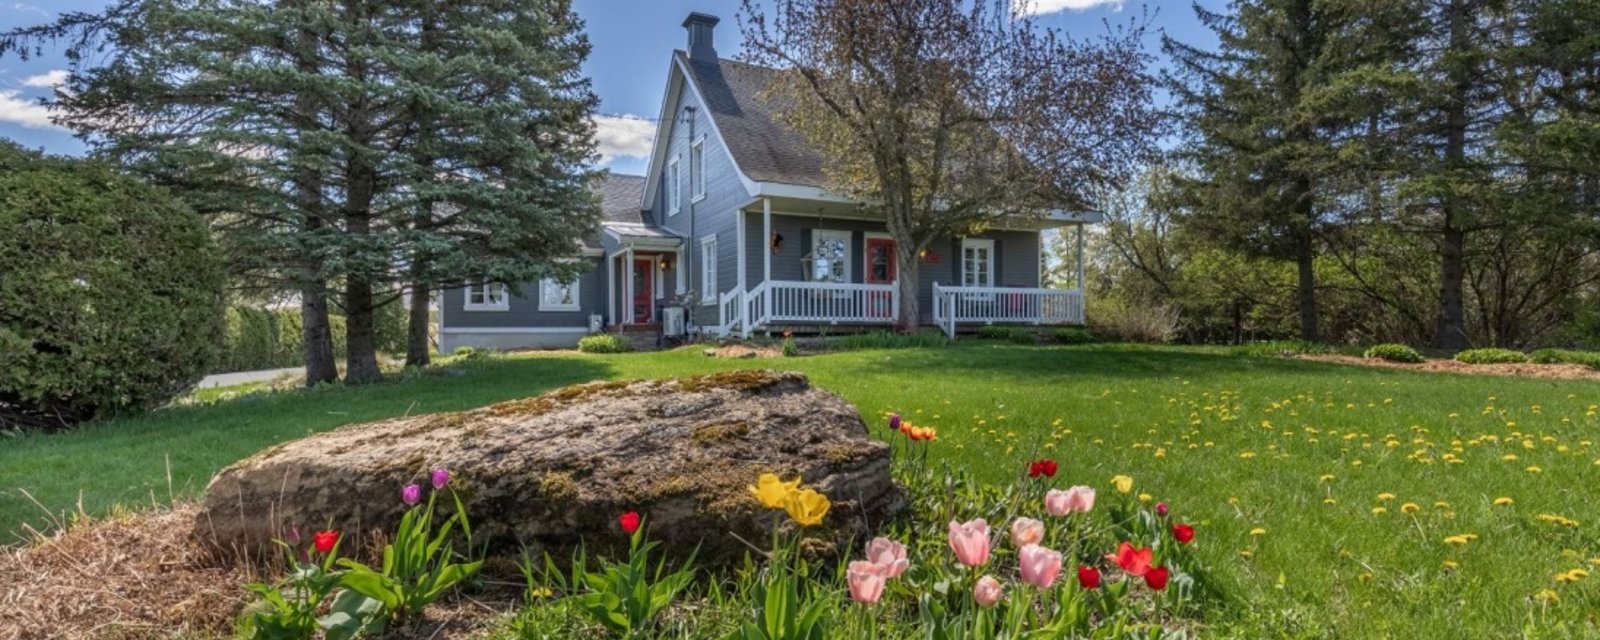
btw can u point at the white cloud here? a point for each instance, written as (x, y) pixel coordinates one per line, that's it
(47, 80)
(27, 112)
(1042, 7)
(28, 8)
(625, 135)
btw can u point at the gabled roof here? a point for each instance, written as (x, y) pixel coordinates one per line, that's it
(765, 149)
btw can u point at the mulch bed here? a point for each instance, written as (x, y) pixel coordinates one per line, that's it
(1547, 371)
(144, 577)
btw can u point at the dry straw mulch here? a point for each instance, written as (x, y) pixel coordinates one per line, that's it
(146, 576)
(1548, 371)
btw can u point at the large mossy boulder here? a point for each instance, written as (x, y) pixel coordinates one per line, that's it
(549, 471)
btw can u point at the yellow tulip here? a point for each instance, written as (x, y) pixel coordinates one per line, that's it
(1123, 484)
(772, 492)
(807, 507)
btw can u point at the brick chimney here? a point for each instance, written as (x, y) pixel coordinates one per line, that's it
(701, 27)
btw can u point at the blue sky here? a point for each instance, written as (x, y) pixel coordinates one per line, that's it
(632, 41)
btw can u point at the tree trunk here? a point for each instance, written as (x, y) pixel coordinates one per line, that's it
(316, 334)
(361, 351)
(1450, 331)
(1306, 290)
(910, 318)
(418, 347)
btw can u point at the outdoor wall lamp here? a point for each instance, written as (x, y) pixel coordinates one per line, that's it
(777, 243)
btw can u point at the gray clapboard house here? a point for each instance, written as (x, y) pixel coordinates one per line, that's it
(735, 221)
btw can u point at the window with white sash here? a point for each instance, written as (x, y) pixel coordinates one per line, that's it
(487, 296)
(558, 296)
(977, 262)
(829, 260)
(674, 187)
(697, 169)
(708, 269)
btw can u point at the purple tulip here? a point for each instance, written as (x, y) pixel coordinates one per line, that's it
(1161, 509)
(441, 477)
(412, 494)
(894, 422)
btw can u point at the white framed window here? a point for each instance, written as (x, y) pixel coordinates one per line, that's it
(708, 269)
(558, 296)
(487, 296)
(829, 258)
(697, 169)
(674, 187)
(977, 262)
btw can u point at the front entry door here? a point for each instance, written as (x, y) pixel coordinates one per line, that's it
(881, 269)
(644, 295)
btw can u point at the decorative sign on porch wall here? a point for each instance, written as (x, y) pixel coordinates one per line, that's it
(929, 256)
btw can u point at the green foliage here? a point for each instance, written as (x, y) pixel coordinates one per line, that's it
(1072, 335)
(788, 347)
(419, 564)
(1491, 356)
(889, 340)
(1393, 353)
(604, 343)
(289, 610)
(790, 604)
(110, 293)
(627, 597)
(994, 332)
(257, 338)
(1589, 359)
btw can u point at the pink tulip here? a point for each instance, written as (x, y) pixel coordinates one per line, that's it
(1026, 531)
(970, 541)
(1039, 565)
(888, 553)
(441, 477)
(412, 494)
(866, 580)
(1075, 500)
(987, 591)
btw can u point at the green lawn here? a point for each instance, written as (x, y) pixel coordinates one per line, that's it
(1236, 444)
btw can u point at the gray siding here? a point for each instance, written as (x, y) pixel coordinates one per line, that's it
(524, 311)
(711, 215)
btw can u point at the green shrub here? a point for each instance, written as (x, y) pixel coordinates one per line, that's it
(1491, 356)
(604, 343)
(994, 332)
(890, 340)
(1565, 356)
(1072, 335)
(110, 292)
(1023, 336)
(789, 348)
(1394, 353)
(257, 338)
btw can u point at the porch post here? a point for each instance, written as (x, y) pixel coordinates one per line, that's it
(627, 284)
(766, 239)
(739, 227)
(1080, 257)
(611, 289)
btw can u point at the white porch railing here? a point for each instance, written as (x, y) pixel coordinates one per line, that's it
(729, 306)
(823, 303)
(1003, 305)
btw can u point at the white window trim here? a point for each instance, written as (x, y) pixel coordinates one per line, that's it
(577, 296)
(708, 269)
(501, 302)
(817, 236)
(988, 245)
(675, 196)
(697, 169)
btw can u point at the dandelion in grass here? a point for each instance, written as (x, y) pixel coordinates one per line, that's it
(1123, 484)
(1410, 508)
(1503, 502)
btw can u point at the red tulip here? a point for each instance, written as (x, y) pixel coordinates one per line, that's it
(1183, 533)
(1157, 578)
(1133, 560)
(629, 522)
(1045, 468)
(1089, 577)
(325, 540)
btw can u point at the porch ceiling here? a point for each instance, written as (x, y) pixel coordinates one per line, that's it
(833, 208)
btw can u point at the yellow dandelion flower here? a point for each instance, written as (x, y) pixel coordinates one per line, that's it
(1456, 541)
(1503, 502)
(1258, 531)
(1452, 565)
(1535, 469)
(1409, 508)
(1566, 577)
(1547, 596)
(1246, 554)
(1326, 477)
(1378, 511)
(1385, 496)
(1330, 501)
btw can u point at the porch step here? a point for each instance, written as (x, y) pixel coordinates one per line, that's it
(642, 337)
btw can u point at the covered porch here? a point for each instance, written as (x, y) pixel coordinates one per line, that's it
(844, 271)
(642, 266)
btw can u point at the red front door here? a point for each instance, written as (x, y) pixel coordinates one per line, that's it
(644, 295)
(881, 269)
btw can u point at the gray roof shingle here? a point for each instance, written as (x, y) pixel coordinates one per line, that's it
(765, 148)
(620, 196)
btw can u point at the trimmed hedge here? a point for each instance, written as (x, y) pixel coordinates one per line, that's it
(604, 343)
(1589, 359)
(1394, 353)
(257, 338)
(110, 292)
(1491, 356)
